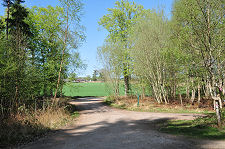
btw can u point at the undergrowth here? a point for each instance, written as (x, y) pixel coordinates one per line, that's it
(27, 124)
(149, 105)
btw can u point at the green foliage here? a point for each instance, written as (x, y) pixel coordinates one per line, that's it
(150, 45)
(199, 26)
(164, 55)
(118, 23)
(74, 14)
(30, 52)
(94, 77)
(109, 100)
(46, 45)
(120, 19)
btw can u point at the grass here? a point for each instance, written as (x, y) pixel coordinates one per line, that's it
(94, 89)
(85, 89)
(204, 127)
(90, 89)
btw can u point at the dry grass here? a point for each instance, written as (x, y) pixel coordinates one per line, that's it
(27, 125)
(148, 104)
(52, 118)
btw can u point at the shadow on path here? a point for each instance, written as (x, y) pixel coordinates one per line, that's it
(101, 127)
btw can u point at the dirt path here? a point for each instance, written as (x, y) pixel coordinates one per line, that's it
(102, 127)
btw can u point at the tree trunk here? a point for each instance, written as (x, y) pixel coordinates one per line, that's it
(181, 101)
(61, 90)
(207, 90)
(63, 51)
(118, 89)
(218, 114)
(199, 93)
(174, 90)
(126, 84)
(143, 92)
(156, 93)
(163, 92)
(16, 95)
(210, 89)
(192, 95)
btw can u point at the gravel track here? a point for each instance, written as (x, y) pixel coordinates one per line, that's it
(102, 127)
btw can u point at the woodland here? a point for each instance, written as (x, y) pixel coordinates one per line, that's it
(182, 56)
(168, 58)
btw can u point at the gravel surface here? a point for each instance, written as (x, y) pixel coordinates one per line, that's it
(102, 127)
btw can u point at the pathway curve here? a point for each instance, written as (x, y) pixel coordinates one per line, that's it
(102, 127)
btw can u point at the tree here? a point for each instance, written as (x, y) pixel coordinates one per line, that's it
(7, 3)
(118, 23)
(201, 33)
(204, 28)
(72, 10)
(111, 56)
(94, 77)
(88, 78)
(72, 76)
(19, 31)
(150, 43)
(31, 55)
(45, 51)
(14, 82)
(201, 30)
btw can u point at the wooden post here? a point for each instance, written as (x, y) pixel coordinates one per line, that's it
(138, 100)
(218, 114)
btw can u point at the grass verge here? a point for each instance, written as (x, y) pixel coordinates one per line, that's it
(149, 105)
(203, 127)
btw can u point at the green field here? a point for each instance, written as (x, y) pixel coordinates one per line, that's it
(94, 89)
(85, 89)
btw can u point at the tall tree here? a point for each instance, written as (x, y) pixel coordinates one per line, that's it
(94, 77)
(19, 31)
(111, 56)
(14, 56)
(7, 3)
(72, 10)
(202, 36)
(150, 43)
(45, 51)
(118, 23)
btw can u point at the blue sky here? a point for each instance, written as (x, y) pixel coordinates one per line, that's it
(93, 11)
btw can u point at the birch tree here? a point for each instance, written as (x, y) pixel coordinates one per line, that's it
(73, 11)
(202, 29)
(149, 45)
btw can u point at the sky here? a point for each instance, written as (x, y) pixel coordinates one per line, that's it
(95, 35)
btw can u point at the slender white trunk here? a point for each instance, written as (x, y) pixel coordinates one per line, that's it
(199, 93)
(63, 51)
(181, 101)
(192, 95)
